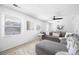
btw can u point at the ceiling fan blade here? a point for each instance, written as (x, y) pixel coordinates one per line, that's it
(54, 18)
(57, 18)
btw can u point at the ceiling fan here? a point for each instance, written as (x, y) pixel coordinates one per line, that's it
(56, 18)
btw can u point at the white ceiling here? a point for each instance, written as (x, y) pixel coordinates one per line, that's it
(46, 11)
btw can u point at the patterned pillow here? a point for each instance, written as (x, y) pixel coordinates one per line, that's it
(56, 34)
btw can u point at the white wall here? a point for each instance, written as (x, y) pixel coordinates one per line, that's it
(6, 41)
(68, 23)
(76, 24)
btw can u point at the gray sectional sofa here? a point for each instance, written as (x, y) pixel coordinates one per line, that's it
(52, 37)
(50, 44)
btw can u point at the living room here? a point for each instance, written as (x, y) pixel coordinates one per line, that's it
(32, 29)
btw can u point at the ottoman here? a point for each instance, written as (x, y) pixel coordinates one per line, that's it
(47, 47)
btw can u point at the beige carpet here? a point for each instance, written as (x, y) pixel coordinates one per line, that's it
(25, 49)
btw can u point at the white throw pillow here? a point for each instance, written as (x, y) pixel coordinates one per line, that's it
(56, 34)
(47, 33)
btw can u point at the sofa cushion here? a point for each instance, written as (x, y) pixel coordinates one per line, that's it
(62, 34)
(53, 38)
(50, 33)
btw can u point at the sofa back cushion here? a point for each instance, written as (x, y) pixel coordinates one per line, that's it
(50, 33)
(58, 34)
(62, 34)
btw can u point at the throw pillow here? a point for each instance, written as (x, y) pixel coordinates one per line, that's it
(47, 33)
(62, 34)
(56, 34)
